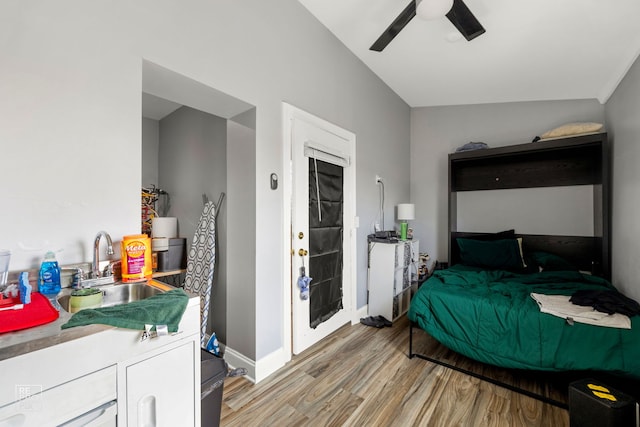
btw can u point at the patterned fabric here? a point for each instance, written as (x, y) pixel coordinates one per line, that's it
(201, 263)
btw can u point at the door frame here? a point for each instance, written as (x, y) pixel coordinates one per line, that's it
(289, 113)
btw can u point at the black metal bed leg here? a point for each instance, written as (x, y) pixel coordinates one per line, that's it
(411, 340)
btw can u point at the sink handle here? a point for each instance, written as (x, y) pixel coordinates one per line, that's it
(78, 276)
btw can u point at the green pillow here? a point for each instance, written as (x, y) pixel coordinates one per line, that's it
(504, 254)
(551, 262)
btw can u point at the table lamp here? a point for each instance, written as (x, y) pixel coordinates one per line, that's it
(406, 212)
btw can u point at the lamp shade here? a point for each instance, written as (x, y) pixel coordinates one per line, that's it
(433, 9)
(406, 211)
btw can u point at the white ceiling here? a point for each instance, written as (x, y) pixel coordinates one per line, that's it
(532, 49)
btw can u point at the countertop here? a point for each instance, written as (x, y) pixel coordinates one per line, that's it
(16, 343)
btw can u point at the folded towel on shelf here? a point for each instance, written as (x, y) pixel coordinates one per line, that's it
(163, 309)
(560, 306)
(472, 146)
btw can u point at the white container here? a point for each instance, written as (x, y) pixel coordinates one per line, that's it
(164, 227)
(159, 244)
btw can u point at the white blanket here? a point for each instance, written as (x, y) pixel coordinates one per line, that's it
(559, 305)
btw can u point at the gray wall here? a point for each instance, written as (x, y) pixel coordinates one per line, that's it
(438, 131)
(241, 293)
(150, 141)
(79, 117)
(623, 122)
(192, 162)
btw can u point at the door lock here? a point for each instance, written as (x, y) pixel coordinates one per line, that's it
(301, 235)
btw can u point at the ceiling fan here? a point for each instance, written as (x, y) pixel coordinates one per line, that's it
(458, 13)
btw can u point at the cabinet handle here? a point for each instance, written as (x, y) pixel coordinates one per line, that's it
(147, 411)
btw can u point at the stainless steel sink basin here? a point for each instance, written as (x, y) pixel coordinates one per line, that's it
(117, 293)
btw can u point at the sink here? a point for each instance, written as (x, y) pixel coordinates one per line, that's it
(117, 293)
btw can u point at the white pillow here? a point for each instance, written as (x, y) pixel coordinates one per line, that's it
(572, 129)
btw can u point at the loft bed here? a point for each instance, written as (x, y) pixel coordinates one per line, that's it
(481, 306)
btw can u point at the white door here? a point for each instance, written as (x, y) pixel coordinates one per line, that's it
(322, 228)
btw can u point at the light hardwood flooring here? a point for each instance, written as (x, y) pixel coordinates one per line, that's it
(361, 376)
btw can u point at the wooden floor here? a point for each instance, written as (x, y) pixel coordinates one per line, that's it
(361, 376)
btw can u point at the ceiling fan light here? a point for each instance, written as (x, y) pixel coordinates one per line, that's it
(433, 9)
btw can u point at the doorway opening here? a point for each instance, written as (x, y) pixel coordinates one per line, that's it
(199, 143)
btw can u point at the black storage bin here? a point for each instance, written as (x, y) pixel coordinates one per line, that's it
(594, 404)
(213, 371)
(175, 258)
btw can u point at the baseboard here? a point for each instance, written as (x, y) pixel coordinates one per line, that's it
(238, 360)
(270, 364)
(256, 371)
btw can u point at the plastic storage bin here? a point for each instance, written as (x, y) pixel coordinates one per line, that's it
(213, 371)
(175, 258)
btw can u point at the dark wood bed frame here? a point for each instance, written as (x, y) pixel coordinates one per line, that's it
(578, 160)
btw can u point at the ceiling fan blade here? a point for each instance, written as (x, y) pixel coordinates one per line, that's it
(396, 26)
(462, 18)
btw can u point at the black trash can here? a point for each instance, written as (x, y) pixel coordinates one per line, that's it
(213, 371)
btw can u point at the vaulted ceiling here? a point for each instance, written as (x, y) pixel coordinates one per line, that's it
(532, 50)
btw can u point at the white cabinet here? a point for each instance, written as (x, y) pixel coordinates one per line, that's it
(92, 375)
(393, 277)
(160, 389)
(63, 403)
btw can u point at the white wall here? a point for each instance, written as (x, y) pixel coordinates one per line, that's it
(70, 102)
(438, 131)
(623, 121)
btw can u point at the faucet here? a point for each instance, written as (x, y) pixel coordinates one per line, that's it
(95, 268)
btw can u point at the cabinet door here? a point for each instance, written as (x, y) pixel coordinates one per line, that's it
(161, 389)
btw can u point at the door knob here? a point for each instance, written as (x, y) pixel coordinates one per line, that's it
(302, 252)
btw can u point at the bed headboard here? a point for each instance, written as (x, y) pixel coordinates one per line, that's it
(579, 160)
(582, 252)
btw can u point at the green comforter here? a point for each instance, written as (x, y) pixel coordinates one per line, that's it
(488, 315)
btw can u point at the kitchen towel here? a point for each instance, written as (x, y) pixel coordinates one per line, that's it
(38, 312)
(163, 309)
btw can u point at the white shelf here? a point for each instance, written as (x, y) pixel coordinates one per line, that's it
(392, 277)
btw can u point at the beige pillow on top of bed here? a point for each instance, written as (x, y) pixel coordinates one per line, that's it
(572, 129)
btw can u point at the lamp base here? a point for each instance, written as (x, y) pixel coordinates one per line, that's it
(403, 230)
